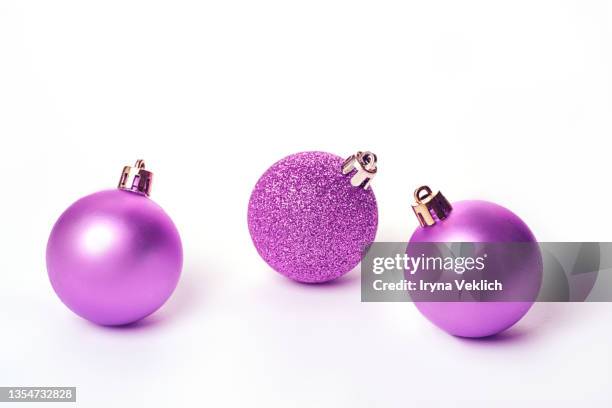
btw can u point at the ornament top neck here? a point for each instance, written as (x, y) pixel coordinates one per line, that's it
(429, 207)
(363, 164)
(136, 179)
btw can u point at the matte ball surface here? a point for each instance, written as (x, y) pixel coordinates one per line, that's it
(481, 221)
(306, 219)
(114, 257)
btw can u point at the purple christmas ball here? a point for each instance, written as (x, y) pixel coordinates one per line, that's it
(484, 222)
(312, 214)
(114, 257)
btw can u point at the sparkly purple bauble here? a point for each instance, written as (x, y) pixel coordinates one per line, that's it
(306, 219)
(114, 257)
(481, 221)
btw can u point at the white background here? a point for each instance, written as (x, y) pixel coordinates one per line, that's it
(505, 101)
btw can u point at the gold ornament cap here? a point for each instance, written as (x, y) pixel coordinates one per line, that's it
(428, 204)
(364, 165)
(136, 179)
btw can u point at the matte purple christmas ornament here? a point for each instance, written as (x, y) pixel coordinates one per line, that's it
(479, 222)
(114, 257)
(312, 214)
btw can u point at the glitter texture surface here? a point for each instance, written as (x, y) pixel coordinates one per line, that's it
(306, 219)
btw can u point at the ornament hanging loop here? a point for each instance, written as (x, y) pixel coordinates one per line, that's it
(136, 179)
(430, 207)
(363, 164)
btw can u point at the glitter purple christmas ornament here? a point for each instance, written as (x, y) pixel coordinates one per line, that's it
(312, 214)
(480, 222)
(114, 257)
